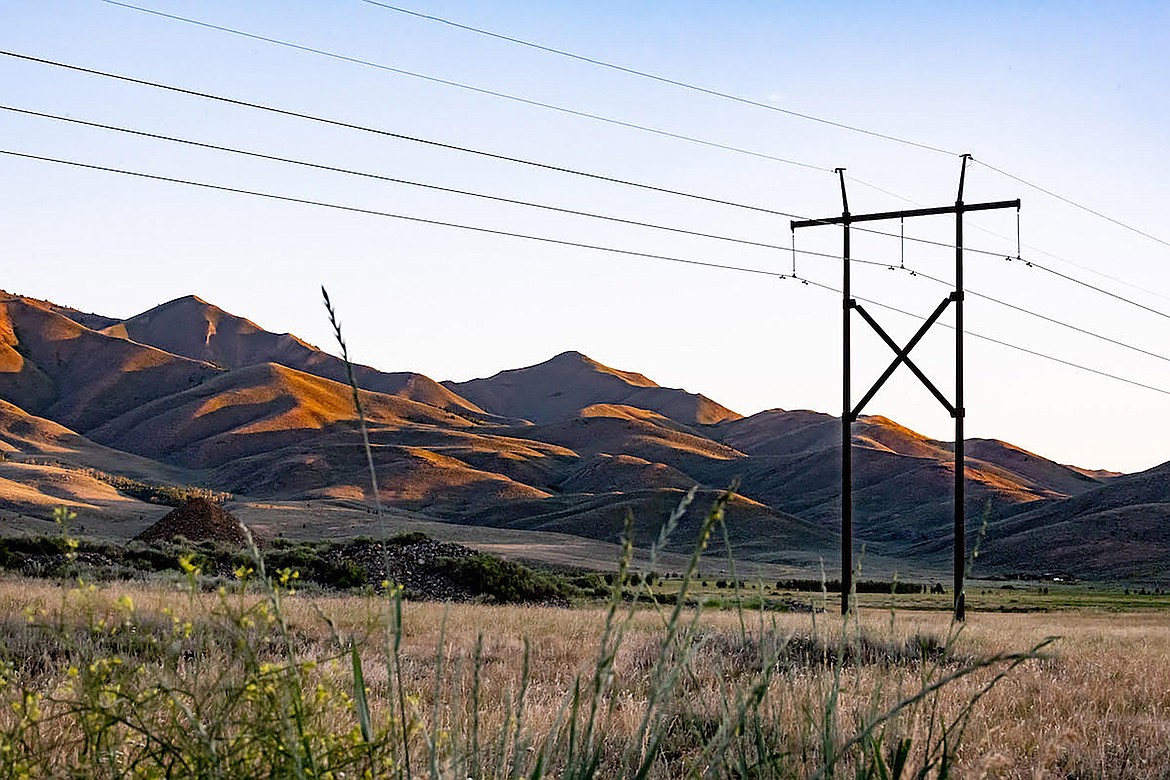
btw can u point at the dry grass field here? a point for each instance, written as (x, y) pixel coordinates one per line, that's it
(128, 680)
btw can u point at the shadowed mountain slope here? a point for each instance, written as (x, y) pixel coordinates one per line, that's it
(700, 458)
(562, 386)
(1041, 472)
(1118, 530)
(37, 490)
(194, 328)
(23, 433)
(333, 465)
(89, 320)
(44, 465)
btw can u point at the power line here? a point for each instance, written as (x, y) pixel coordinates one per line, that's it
(549, 240)
(434, 143)
(390, 215)
(750, 102)
(406, 182)
(538, 165)
(438, 188)
(1038, 315)
(656, 77)
(455, 147)
(511, 97)
(547, 207)
(635, 126)
(1030, 263)
(479, 90)
(1101, 290)
(1073, 203)
(1065, 260)
(397, 136)
(1090, 269)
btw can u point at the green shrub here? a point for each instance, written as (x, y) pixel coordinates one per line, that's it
(505, 582)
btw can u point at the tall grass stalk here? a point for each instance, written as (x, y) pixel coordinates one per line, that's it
(392, 634)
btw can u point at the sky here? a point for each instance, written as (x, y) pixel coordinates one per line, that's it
(1066, 96)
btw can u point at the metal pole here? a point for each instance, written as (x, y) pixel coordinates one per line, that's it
(960, 563)
(846, 415)
(957, 410)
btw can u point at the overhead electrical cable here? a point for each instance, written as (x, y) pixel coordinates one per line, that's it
(548, 207)
(507, 96)
(458, 148)
(480, 90)
(405, 182)
(388, 214)
(655, 77)
(546, 240)
(1073, 203)
(533, 164)
(398, 136)
(1080, 266)
(439, 144)
(1028, 262)
(745, 101)
(1038, 315)
(1095, 288)
(1089, 268)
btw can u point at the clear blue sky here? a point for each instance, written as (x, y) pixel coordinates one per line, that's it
(1071, 96)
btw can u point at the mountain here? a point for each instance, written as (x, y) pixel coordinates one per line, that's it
(186, 393)
(1120, 530)
(559, 388)
(196, 329)
(1041, 472)
(54, 367)
(902, 481)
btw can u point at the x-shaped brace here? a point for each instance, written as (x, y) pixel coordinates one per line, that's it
(903, 356)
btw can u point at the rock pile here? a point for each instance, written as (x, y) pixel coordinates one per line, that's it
(421, 567)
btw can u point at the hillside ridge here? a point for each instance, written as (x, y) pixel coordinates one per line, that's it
(186, 391)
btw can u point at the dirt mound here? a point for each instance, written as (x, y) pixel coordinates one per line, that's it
(197, 520)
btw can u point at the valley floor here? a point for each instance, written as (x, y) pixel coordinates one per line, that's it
(139, 680)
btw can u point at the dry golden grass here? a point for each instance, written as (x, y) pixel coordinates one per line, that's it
(1097, 707)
